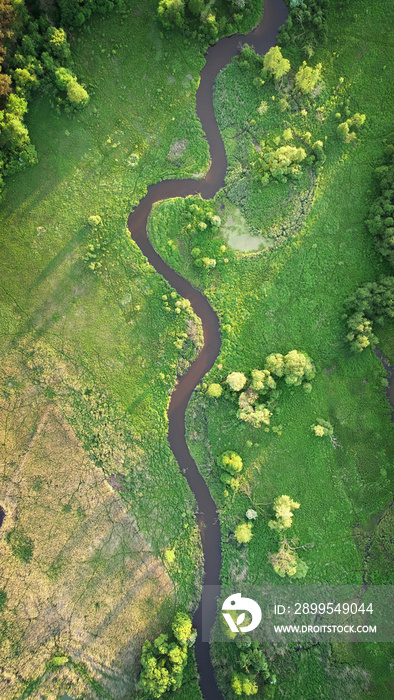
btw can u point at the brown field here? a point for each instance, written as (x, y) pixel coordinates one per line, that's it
(84, 587)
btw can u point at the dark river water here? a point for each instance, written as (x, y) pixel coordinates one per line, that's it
(218, 56)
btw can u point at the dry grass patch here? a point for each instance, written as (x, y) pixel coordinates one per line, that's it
(81, 581)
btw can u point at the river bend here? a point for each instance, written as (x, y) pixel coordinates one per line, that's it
(217, 57)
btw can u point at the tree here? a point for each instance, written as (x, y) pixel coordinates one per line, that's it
(275, 364)
(297, 366)
(242, 685)
(307, 78)
(283, 507)
(7, 17)
(380, 222)
(279, 163)
(231, 462)
(255, 415)
(284, 561)
(58, 43)
(76, 94)
(360, 335)
(196, 7)
(287, 562)
(163, 661)
(182, 628)
(63, 76)
(275, 64)
(208, 19)
(243, 533)
(15, 146)
(236, 381)
(171, 13)
(262, 380)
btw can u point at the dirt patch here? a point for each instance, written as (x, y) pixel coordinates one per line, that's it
(117, 481)
(177, 149)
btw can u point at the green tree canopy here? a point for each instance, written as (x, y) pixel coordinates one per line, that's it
(275, 64)
(171, 13)
(164, 660)
(236, 380)
(283, 507)
(231, 462)
(297, 367)
(307, 78)
(214, 390)
(182, 628)
(262, 380)
(243, 533)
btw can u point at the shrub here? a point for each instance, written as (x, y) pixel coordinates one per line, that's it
(251, 514)
(95, 221)
(322, 428)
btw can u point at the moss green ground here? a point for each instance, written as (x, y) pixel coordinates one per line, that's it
(293, 297)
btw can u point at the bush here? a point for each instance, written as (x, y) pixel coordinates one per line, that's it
(95, 221)
(322, 428)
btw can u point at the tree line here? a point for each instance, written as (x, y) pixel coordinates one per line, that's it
(372, 304)
(204, 20)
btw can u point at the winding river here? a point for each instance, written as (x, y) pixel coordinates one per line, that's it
(217, 57)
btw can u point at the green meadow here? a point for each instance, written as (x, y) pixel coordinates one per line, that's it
(312, 250)
(100, 343)
(91, 343)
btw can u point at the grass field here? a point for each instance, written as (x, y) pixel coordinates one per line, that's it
(88, 361)
(292, 296)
